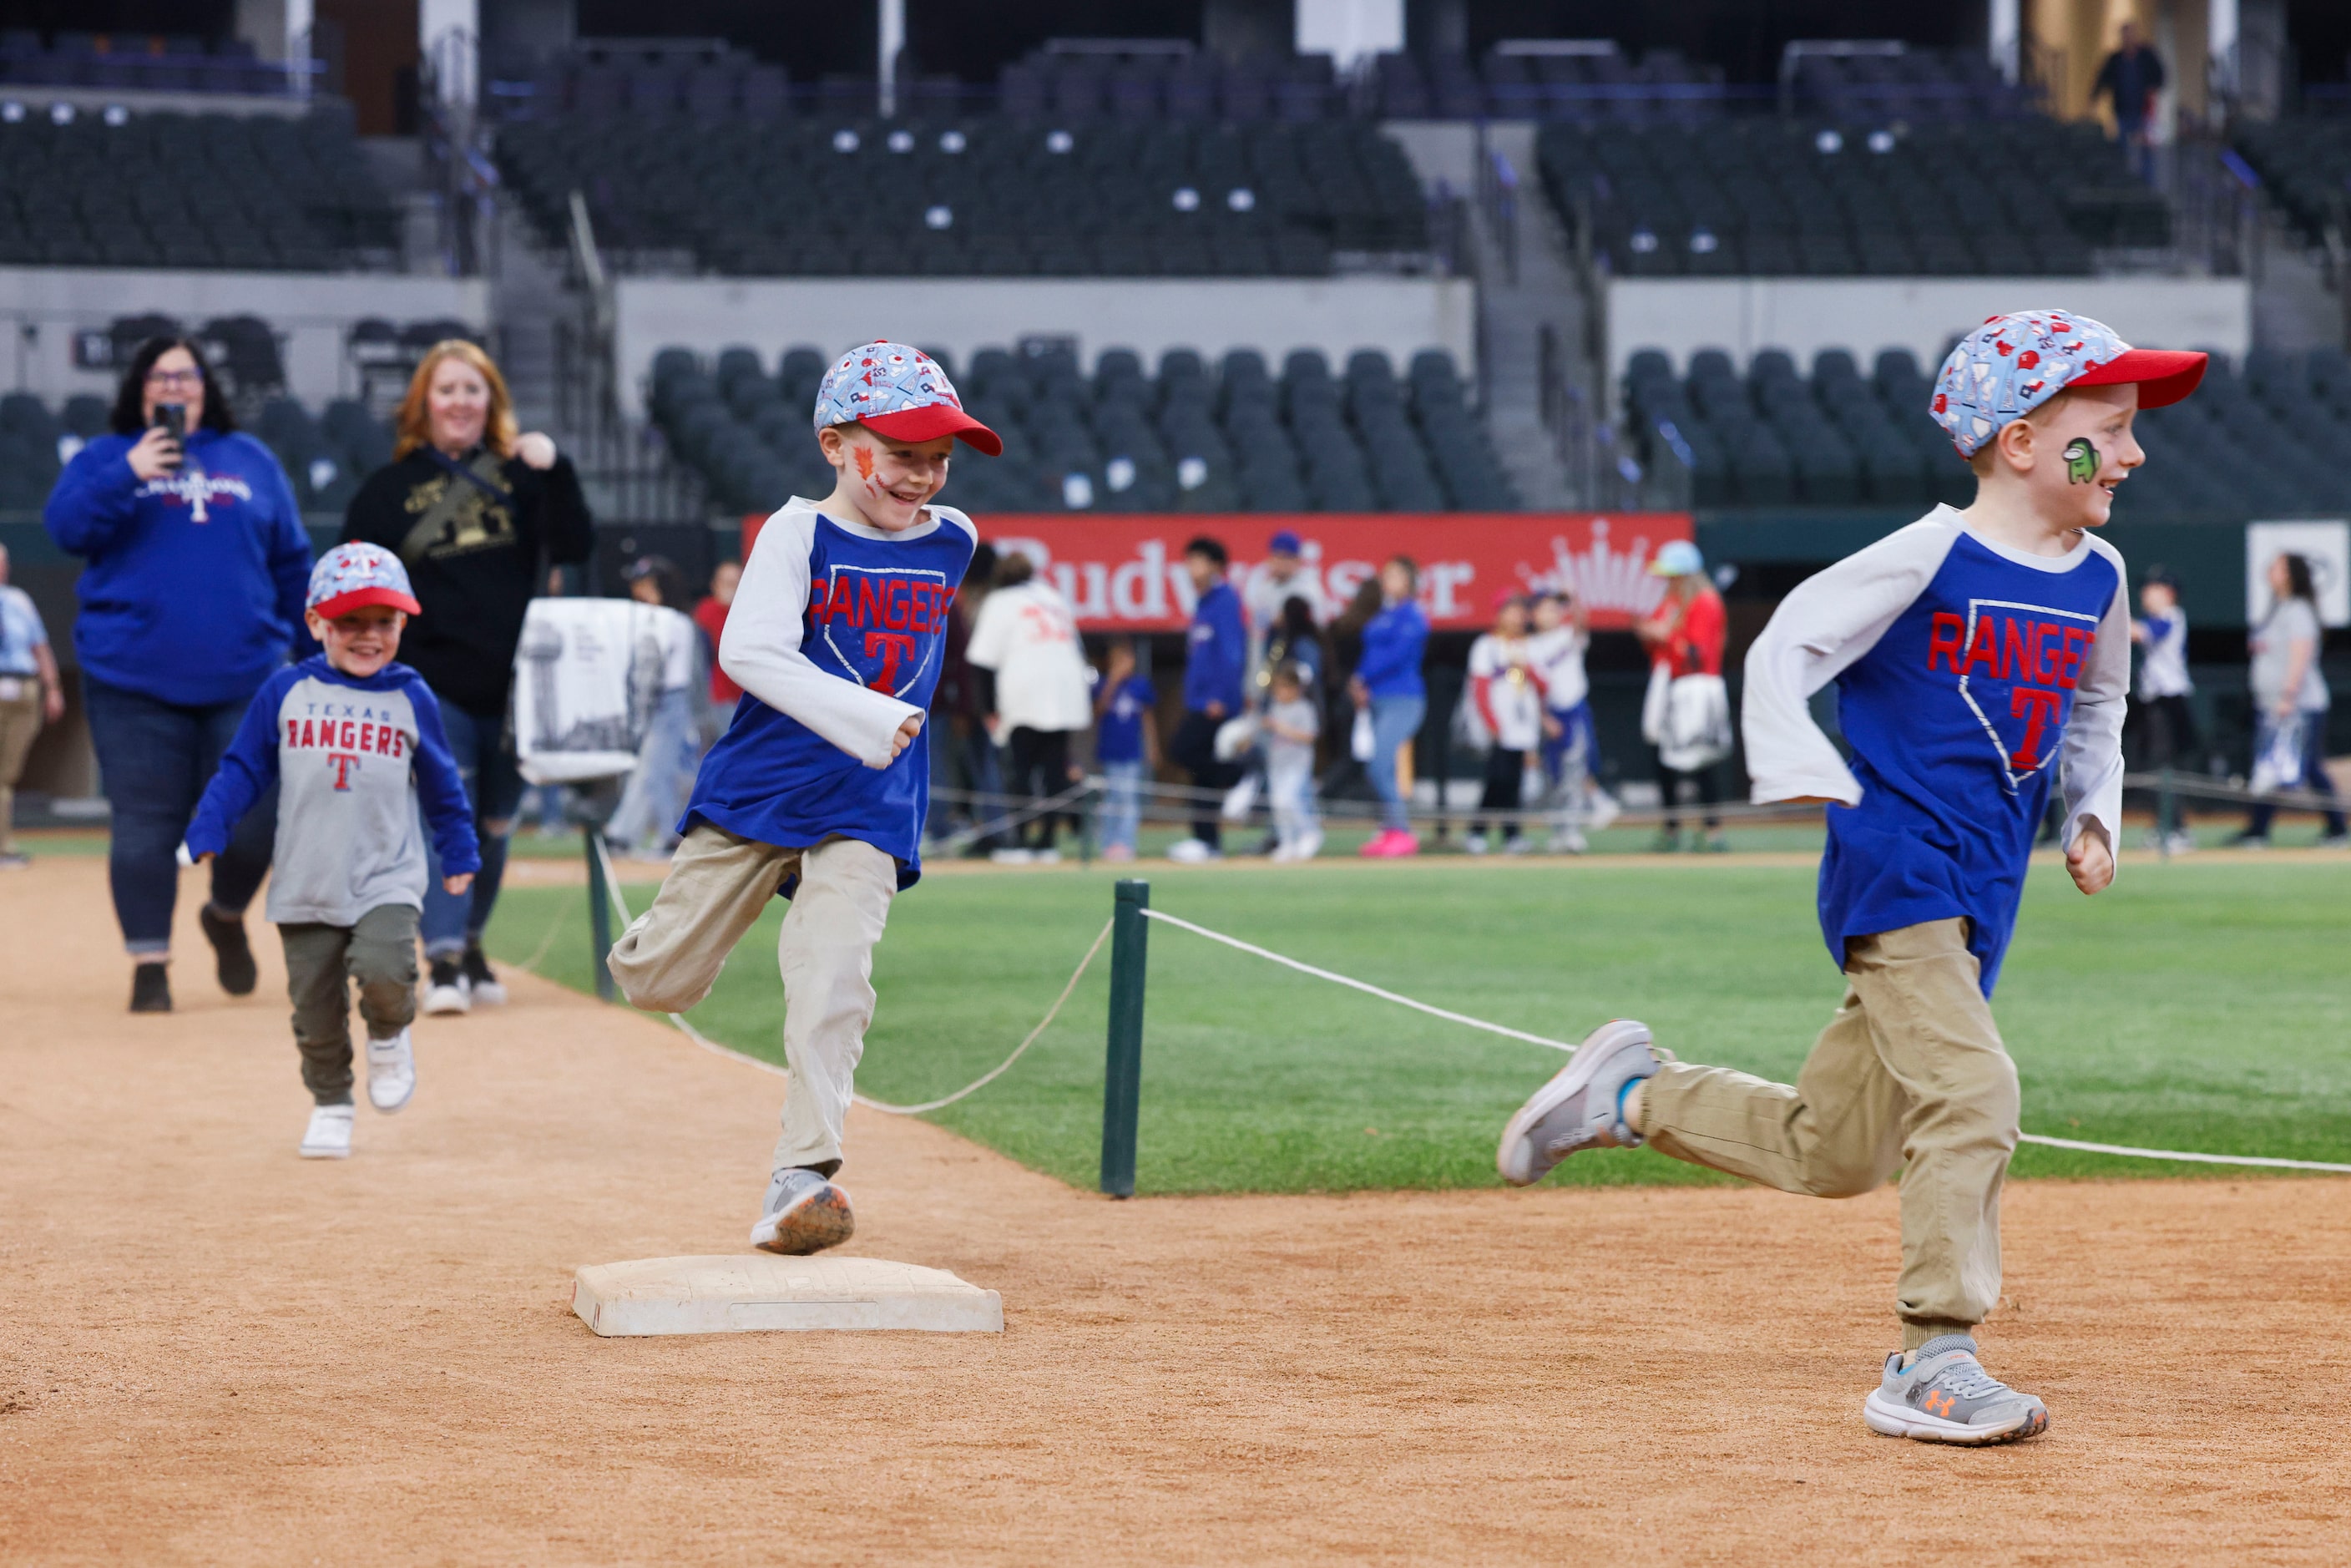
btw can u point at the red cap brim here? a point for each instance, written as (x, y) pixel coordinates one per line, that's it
(930, 424)
(2162, 375)
(360, 598)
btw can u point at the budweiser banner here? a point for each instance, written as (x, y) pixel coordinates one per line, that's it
(1127, 572)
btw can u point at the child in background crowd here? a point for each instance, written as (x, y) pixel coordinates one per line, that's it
(710, 615)
(1126, 746)
(2161, 633)
(1288, 730)
(354, 741)
(1508, 697)
(1571, 745)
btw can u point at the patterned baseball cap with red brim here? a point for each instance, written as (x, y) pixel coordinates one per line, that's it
(2013, 364)
(900, 391)
(351, 577)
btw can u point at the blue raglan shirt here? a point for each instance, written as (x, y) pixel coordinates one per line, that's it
(194, 583)
(1215, 651)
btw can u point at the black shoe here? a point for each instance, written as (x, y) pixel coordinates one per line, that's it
(151, 988)
(447, 989)
(482, 980)
(232, 954)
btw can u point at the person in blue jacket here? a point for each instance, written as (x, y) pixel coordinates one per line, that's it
(1387, 682)
(191, 598)
(1216, 661)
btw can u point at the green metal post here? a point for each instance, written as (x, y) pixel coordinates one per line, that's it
(599, 912)
(1123, 1078)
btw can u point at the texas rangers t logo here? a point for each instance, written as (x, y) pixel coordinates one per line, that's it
(2034, 651)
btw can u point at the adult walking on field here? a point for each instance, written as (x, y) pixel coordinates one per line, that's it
(30, 696)
(2289, 701)
(1387, 685)
(477, 513)
(196, 572)
(1686, 713)
(1216, 666)
(1027, 635)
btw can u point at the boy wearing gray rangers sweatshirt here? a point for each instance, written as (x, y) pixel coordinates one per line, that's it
(354, 741)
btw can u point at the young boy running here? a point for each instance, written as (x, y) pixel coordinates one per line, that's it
(354, 741)
(1975, 654)
(818, 789)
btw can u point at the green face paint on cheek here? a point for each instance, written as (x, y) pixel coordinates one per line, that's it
(2081, 460)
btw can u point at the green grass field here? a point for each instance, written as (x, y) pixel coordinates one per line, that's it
(2197, 1006)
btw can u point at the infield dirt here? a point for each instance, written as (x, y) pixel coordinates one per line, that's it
(217, 1353)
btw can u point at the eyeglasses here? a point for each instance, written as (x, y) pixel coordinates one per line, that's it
(175, 378)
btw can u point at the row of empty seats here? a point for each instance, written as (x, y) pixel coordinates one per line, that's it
(1173, 83)
(1890, 81)
(1239, 439)
(1581, 83)
(186, 191)
(325, 457)
(1774, 198)
(992, 196)
(2305, 165)
(168, 62)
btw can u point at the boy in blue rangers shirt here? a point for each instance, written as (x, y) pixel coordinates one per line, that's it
(353, 740)
(819, 788)
(1974, 652)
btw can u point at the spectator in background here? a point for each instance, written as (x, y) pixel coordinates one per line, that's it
(1507, 693)
(1291, 727)
(2132, 77)
(478, 513)
(643, 824)
(198, 569)
(965, 696)
(1570, 745)
(1027, 637)
(30, 696)
(1293, 639)
(1216, 661)
(1272, 584)
(710, 615)
(1684, 635)
(1126, 746)
(2160, 631)
(1388, 685)
(2290, 700)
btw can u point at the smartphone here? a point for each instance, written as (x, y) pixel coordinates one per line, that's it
(173, 418)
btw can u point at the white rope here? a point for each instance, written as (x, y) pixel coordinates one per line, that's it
(1562, 1045)
(613, 887)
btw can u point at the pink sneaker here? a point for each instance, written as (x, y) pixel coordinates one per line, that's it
(1391, 845)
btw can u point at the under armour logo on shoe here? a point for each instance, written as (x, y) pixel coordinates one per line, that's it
(1936, 1403)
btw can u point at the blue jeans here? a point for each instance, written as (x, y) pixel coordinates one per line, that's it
(1394, 721)
(2315, 777)
(663, 781)
(486, 761)
(1122, 811)
(154, 760)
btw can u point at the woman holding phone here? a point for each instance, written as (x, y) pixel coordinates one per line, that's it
(195, 571)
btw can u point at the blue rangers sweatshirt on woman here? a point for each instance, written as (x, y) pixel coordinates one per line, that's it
(836, 636)
(353, 756)
(1968, 673)
(195, 580)
(1393, 642)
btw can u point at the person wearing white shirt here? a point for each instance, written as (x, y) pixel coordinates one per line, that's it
(1272, 584)
(1509, 696)
(1028, 636)
(1571, 744)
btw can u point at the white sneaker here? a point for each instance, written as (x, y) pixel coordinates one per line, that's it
(1600, 810)
(1046, 857)
(1010, 856)
(392, 1072)
(329, 1136)
(1521, 846)
(1475, 843)
(1568, 842)
(1191, 851)
(447, 989)
(1310, 844)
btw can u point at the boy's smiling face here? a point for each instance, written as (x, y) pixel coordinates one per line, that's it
(885, 483)
(361, 642)
(2071, 452)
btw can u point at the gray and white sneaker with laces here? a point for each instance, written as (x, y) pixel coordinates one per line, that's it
(802, 1213)
(1945, 1396)
(1583, 1106)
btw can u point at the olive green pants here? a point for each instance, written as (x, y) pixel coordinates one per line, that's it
(1910, 1074)
(718, 886)
(378, 954)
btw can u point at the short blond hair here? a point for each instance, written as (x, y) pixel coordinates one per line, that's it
(1981, 459)
(412, 426)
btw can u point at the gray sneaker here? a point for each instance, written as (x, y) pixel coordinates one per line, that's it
(1947, 1396)
(1579, 1108)
(803, 1213)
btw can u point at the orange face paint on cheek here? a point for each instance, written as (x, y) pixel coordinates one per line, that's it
(864, 461)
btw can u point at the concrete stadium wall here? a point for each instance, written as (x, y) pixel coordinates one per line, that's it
(1806, 315)
(43, 307)
(1149, 315)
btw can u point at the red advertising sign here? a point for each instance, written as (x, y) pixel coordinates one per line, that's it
(1127, 572)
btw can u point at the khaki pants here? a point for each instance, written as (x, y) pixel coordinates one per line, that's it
(20, 721)
(718, 886)
(378, 954)
(1909, 1074)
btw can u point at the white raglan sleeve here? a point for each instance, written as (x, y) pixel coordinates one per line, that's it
(1831, 619)
(760, 650)
(2091, 767)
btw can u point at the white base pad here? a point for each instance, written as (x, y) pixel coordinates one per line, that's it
(759, 1291)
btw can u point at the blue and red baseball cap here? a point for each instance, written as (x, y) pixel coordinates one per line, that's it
(900, 393)
(2013, 364)
(353, 576)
